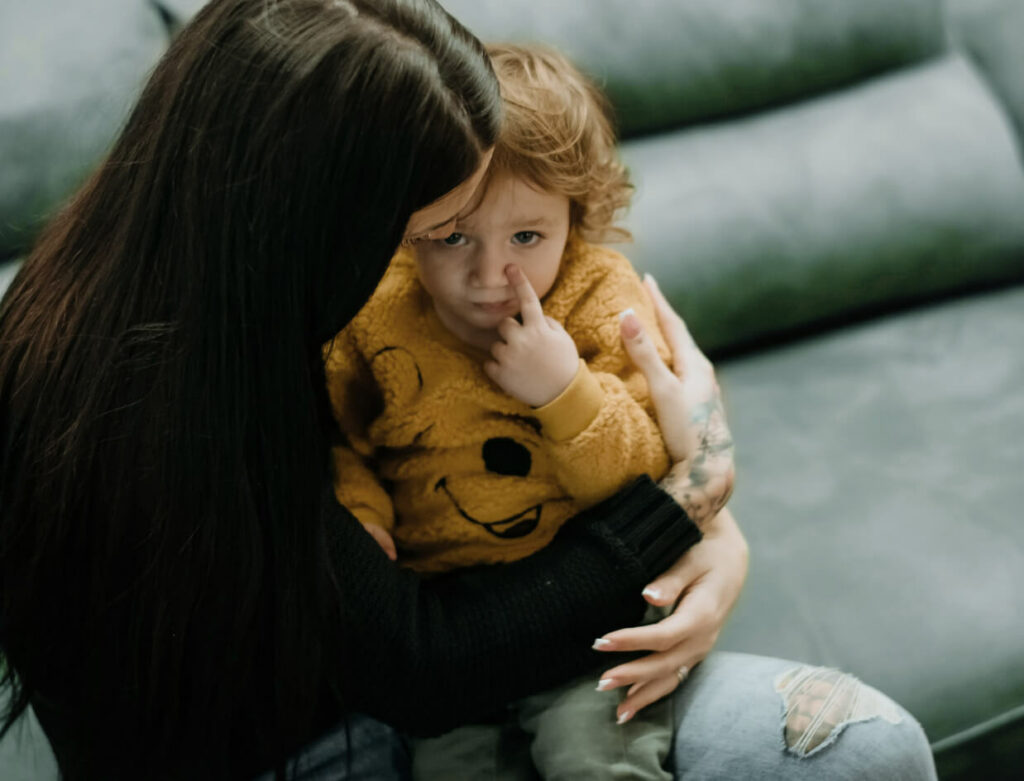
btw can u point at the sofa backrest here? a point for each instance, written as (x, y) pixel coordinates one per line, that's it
(899, 190)
(69, 71)
(798, 162)
(666, 63)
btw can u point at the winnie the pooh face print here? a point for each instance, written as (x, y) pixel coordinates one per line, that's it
(502, 456)
(467, 469)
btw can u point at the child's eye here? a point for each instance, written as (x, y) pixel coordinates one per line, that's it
(525, 237)
(453, 240)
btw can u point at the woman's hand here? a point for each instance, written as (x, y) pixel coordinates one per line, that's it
(383, 539)
(688, 404)
(706, 581)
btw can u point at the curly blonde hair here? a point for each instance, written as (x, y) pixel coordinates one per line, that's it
(558, 135)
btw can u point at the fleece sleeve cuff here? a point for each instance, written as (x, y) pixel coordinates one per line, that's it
(573, 409)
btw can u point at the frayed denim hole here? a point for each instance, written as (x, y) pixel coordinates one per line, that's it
(820, 702)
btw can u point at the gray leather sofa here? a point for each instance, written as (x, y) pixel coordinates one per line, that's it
(832, 192)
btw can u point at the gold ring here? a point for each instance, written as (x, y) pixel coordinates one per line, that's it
(682, 672)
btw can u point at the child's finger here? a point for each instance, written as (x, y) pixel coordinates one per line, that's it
(554, 324)
(493, 370)
(499, 350)
(529, 304)
(507, 327)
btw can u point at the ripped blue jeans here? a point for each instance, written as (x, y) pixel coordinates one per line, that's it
(739, 716)
(743, 716)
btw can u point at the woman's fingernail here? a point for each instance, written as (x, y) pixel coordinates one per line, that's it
(630, 324)
(650, 278)
(624, 312)
(600, 643)
(626, 716)
(604, 684)
(653, 593)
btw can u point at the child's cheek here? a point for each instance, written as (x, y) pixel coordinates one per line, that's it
(543, 277)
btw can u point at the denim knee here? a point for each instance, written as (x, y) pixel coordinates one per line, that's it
(759, 717)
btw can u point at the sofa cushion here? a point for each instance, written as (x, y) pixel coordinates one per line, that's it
(878, 484)
(899, 189)
(68, 73)
(668, 63)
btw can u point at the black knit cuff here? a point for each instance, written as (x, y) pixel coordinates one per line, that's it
(646, 523)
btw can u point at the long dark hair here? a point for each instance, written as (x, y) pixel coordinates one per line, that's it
(163, 579)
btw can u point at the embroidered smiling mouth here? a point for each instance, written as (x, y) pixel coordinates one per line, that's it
(518, 525)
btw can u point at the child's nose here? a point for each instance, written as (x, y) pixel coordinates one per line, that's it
(489, 268)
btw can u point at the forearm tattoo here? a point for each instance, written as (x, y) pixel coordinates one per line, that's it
(702, 486)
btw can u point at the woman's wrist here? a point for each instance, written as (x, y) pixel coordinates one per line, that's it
(644, 521)
(732, 561)
(703, 484)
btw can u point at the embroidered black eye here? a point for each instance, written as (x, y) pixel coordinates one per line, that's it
(505, 456)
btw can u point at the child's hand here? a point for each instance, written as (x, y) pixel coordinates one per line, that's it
(385, 540)
(536, 360)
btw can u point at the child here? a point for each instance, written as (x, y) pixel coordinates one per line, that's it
(471, 436)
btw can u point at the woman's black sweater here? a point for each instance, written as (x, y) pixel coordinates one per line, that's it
(452, 649)
(428, 654)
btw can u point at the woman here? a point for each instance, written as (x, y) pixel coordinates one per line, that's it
(180, 596)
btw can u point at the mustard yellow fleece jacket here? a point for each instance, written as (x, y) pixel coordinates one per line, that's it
(456, 470)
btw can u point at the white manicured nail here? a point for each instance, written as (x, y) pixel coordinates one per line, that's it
(626, 716)
(604, 684)
(600, 643)
(624, 312)
(653, 593)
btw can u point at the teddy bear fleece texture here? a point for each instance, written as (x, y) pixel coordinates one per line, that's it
(459, 472)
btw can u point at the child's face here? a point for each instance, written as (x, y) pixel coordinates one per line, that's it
(464, 273)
